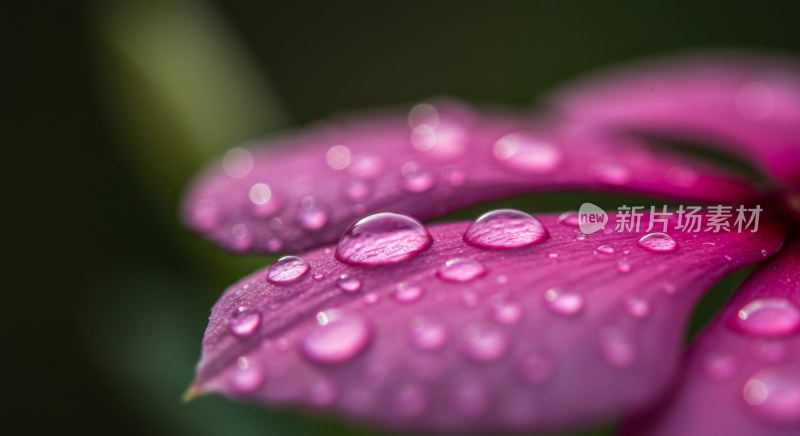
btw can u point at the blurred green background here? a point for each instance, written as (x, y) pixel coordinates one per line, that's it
(113, 105)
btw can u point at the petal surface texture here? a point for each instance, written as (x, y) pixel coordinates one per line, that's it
(750, 103)
(567, 330)
(742, 375)
(302, 191)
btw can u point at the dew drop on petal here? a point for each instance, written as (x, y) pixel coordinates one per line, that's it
(357, 190)
(416, 179)
(348, 283)
(773, 393)
(528, 152)
(244, 322)
(318, 276)
(337, 337)
(658, 243)
(623, 266)
(617, 348)
(313, 218)
(605, 249)
(768, 317)
(382, 238)
(247, 377)
(287, 269)
(505, 228)
(461, 269)
(427, 334)
(637, 306)
(569, 218)
(482, 342)
(405, 293)
(504, 310)
(563, 302)
(371, 298)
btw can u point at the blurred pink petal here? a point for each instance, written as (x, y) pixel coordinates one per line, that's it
(301, 191)
(460, 338)
(750, 102)
(742, 375)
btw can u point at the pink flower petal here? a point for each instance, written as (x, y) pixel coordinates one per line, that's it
(303, 190)
(752, 102)
(742, 375)
(549, 334)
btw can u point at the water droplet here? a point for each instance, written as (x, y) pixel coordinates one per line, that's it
(764, 253)
(569, 218)
(504, 310)
(247, 377)
(318, 276)
(605, 249)
(404, 293)
(237, 163)
(337, 337)
(617, 348)
(382, 238)
(768, 317)
(483, 342)
(563, 302)
(773, 393)
(348, 283)
(669, 288)
(371, 298)
(287, 269)
(658, 243)
(312, 216)
(263, 204)
(461, 269)
(244, 322)
(534, 368)
(610, 171)
(274, 245)
(637, 306)
(719, 365)
(552, 255)
(427, 333)
(528, 152)
(579, 236)
(623, 266)
(505, 228)
(357, 190)
(415, 178)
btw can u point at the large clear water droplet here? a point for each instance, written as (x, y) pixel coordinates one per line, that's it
(484, 342)
(461, 269)
(337, 337)
(348, 283)
(244, 322)
(658, 243)
(405, 293)
(528, 152)
(382, 238)
(773, 393)
(505, 228)
(564, 302)
(287, 269)
(427, 333)
(768, 317)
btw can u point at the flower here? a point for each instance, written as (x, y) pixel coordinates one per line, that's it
(516, 322)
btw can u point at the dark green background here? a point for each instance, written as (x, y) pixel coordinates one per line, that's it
(106, 310)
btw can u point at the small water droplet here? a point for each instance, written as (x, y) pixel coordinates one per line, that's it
(337, 337)
(610, 171)
(318, 276)
(244, 322)
(287, 269)
(658, 243)
(637, 306)
(617, 348)
(505, 228)
(428, 334)
(534, 368)
(579, 236)
(773, 393)
(313, 217)
(274, 245)
(416, 179)
(719, 365)
(247, 377)
(623, 266)
(764, 253)
(605, 249)
(504, 310)
(483, 342)
(357, 190)
(348, 283)
(382, 238)
(404, 293)
(569, 218)
(528, 152)
(553, 255)
(263, 204)
(563, 302)
(461, 269)
(371, 298)
(768, 317)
